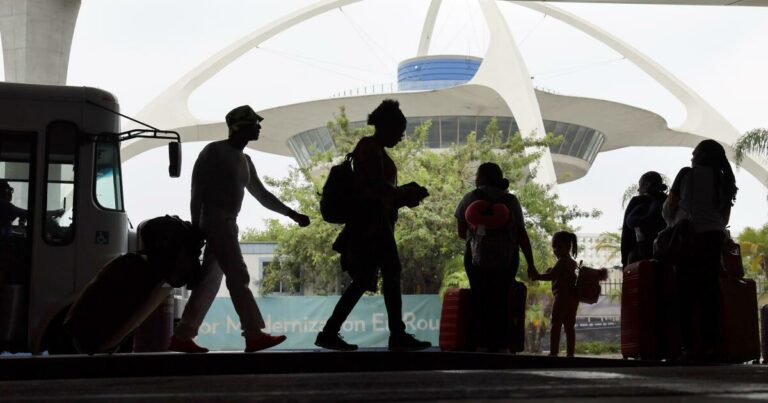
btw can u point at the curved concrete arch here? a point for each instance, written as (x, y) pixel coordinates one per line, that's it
(702, 120)
(170, 109)
(429, 27)
(504, 70)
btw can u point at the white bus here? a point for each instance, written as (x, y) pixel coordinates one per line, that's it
(60, 156)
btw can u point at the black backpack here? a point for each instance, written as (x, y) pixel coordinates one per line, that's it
(337, 199)
(163, 240)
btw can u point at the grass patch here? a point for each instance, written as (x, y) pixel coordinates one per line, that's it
(597, 347)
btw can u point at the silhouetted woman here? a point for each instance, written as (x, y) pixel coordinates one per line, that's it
(491, 277)
(703, 194)
(643, 219)
(367, 243)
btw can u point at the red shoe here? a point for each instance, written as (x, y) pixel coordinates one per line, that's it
(262, 342)
(185, 346)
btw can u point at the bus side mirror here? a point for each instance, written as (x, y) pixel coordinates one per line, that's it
(174, 159)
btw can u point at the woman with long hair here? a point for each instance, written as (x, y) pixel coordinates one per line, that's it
(703, 194)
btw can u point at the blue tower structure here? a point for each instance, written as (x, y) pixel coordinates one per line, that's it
(435, 72)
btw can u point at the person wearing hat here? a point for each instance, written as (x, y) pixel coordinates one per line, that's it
(8, 211)
(220, 177)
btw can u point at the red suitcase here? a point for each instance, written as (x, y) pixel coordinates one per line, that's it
(516, 330)
(455, 319)
(649, 322)
(738, 324)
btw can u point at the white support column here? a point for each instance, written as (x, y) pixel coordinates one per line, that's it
(504, 70)
(37, 36)
(429, 27)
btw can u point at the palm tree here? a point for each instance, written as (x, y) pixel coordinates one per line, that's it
(754, 141)
(633, 189)
(610, 242)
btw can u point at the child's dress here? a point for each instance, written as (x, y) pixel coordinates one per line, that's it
(566, 303)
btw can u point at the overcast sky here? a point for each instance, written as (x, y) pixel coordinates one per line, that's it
(137, 48)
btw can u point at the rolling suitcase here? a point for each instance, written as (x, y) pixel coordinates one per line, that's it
(455, 320)
(649, 323)
(739, 338)
(124, 293)
(516, 330)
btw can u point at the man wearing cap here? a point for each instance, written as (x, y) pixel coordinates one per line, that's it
(8, 211)
(221, 174)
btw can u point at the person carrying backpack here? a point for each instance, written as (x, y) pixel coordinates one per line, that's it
(491, 220)
(367, 242)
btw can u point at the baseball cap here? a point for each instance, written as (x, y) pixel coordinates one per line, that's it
(242, 115)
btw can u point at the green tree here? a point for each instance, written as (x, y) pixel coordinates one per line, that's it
(754, 250)
(430, 251)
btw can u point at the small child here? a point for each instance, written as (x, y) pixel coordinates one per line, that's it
(563, 278)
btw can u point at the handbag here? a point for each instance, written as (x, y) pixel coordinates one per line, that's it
(674, 243)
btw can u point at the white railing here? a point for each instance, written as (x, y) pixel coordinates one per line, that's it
(371, 89)
(392, 87)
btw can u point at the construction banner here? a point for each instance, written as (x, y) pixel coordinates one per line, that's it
(301, 318)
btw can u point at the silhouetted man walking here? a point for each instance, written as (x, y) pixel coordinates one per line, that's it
(221, 174)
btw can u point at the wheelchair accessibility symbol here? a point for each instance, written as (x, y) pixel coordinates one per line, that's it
(102, 238)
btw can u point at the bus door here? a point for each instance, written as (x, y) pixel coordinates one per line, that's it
(17, 188)
(53, 263)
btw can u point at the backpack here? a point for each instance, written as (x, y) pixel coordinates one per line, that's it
(173, 248)
(492, 245)
(337, 199)
(588, 283)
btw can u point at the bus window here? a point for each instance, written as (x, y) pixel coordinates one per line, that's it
(109, 194)
(61, 151)
(16, 156)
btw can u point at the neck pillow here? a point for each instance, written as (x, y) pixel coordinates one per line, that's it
(482, 213)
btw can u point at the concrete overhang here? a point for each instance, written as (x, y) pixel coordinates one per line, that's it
(622, 125)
